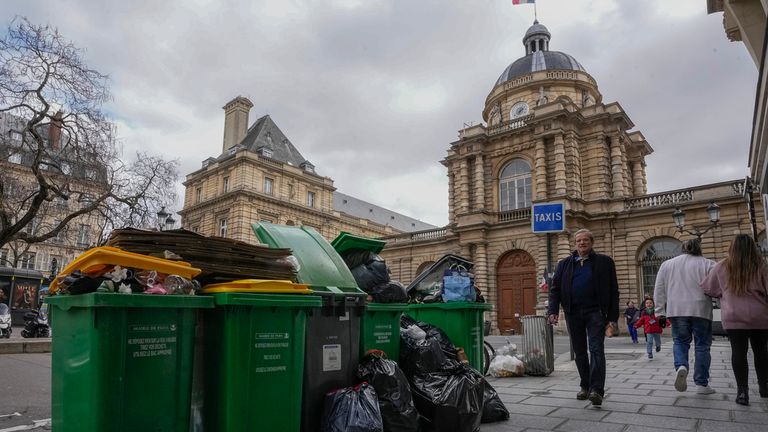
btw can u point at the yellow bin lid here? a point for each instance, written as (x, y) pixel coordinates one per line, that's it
(260, 286)
(100, 259)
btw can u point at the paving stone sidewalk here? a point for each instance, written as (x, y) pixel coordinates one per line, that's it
(640, 397)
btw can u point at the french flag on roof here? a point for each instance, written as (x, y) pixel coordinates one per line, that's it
(515, 2)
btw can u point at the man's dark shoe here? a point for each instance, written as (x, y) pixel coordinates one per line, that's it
(595, 398)
(582, 394)
(742, 397)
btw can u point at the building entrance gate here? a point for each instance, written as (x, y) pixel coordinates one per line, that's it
(516, 285)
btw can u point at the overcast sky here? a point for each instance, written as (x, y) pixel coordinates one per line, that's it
(374, 91)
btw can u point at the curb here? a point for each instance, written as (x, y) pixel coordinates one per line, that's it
(25, 346)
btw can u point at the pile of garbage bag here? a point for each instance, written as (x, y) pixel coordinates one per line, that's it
(127, 281)
(447, 280)
(372, 276)
(430, 388)
(507, 362)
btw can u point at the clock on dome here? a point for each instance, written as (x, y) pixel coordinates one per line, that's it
(519, 109)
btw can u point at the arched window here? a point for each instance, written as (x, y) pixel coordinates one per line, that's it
(515, 186)
(652, 255)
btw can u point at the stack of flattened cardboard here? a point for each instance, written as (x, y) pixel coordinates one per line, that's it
(221, 259)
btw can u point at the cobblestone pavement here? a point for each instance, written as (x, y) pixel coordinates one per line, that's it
(639, 397)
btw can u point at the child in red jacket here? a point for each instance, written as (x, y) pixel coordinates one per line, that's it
(652, 327)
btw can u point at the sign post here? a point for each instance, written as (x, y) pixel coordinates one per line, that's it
(548, 218)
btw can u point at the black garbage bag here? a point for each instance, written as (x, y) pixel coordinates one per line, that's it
(352, 409)
(356, 257)
(494, 409)
(389, 292)
(421, 356)
(395, 402)
(78, 283)
(371, 274)
(451, 400)
(436, 333)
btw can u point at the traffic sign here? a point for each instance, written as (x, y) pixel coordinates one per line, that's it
(548, 217)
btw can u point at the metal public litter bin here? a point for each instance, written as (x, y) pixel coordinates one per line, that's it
(333, 329)
(381, 321)
(538, 345)
(253, 355)
(122, 362)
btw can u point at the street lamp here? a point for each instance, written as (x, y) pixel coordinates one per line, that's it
(162, 218)
(713, 210)
(170, 222)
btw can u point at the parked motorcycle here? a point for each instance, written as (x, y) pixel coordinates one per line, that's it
(5, 321)
(36, 323)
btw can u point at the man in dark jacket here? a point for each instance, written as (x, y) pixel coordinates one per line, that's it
(586, 286)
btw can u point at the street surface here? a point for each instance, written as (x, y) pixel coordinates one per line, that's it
(639, 396)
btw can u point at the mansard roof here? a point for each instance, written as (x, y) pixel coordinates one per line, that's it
(265, 135)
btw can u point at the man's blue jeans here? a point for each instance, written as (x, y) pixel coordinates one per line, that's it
(683, 328)
(587, 331)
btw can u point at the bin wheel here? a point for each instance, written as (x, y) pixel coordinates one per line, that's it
(488, 354)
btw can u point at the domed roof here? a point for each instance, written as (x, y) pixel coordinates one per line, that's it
(538, 56)
(539, 61)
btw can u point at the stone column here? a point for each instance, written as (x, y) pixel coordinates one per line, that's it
(638, 178)
(573, 166)
(480, 269)
(451, 193)
(541, 170)
(463, 197)
(617, 167)
(479, 185)
(560, 175)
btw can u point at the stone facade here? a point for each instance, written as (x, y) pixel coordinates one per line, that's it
(581, 152)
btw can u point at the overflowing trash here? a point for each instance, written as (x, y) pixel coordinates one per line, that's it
(372, 275)
(448, 394)
(449, 279)
(507, 363)
(395, 401)
(538, 345)
(352, 409)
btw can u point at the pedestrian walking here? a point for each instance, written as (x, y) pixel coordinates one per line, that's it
(585, 285)
(680, 299)
(632, 315)
(652, 327)
(741, 283)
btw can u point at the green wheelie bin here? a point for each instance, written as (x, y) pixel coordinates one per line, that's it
(333, 329)
(122, 362)
(253, 361)
(381, 321)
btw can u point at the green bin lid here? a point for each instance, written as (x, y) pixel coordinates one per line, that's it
(387, 307)
(346, 241)
(118, 300)
(321, 267)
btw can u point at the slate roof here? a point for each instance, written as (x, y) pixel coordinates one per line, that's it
(264, 133)
(538, 61)
(356, 207)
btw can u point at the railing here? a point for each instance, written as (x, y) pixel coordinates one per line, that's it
(433, 234)
(711, 192)
(660, 199)
(509, 125)
(514, 215)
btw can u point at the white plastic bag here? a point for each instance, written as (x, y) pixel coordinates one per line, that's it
(506, 366)
(414, 332)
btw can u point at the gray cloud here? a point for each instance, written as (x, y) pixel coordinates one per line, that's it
(374, 92)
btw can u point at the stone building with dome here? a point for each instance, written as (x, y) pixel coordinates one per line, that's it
(548, 136)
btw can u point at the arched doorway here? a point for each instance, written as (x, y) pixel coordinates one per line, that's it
(516, 285)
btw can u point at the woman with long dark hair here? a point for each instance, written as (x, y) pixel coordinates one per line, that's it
(741, 282)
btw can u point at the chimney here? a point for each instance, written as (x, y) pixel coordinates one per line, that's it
(54, 130)
(235, 121)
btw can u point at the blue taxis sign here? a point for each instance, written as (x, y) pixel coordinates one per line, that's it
(548, 217)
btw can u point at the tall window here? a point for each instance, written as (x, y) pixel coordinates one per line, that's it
(651, 257)
(199, 195)
(268, 182)
(223, 227)
(515, 186)
(27, 261)
(84, 235)
(310, 199)
(226, 184)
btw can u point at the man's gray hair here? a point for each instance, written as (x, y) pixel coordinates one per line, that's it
(584, 231)
(692, 247)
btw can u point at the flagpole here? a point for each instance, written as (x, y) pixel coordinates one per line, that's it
(535, 17)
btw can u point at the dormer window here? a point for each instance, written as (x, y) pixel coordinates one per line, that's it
(308, 167)
(266, 152)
